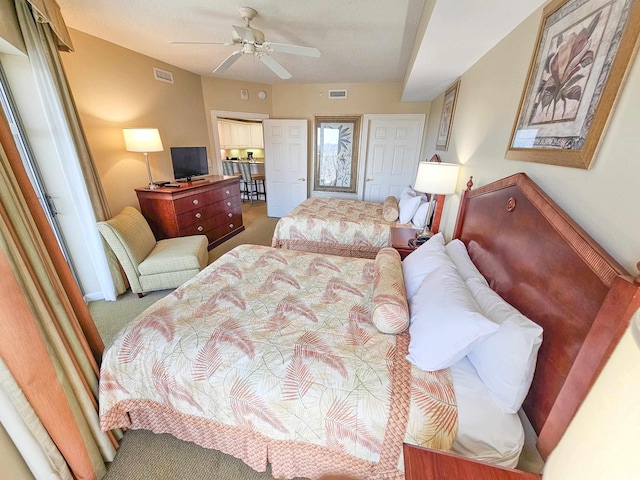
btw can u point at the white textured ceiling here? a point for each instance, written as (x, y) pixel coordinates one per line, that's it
(359, 40)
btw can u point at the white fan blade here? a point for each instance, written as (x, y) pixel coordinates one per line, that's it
(228, 61)
(293, 49)
(275, 66)
(200, 43)
(246, 34)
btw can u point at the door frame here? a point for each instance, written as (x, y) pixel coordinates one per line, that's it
(216, 137)
(364, 140)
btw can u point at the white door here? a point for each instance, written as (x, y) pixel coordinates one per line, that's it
(285, 164)
(392, 154)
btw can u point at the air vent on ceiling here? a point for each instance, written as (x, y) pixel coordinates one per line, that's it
(337, 94)
(162, 75)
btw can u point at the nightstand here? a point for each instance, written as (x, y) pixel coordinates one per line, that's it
(425, 464)
(400, 237)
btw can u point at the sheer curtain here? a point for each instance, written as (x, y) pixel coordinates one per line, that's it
(44, 33)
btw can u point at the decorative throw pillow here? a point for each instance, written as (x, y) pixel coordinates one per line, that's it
(457, 251)
(390, 312)
(419, 219)
(408, 204)
(390, 209)
(446, 321)
(422, 262)
(506, 361)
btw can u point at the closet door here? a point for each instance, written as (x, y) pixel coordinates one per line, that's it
(393, 145)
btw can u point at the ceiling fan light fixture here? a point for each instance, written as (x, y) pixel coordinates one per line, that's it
(249, 48)
(252, 41)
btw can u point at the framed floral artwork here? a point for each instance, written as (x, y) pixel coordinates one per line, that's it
(582, 54)
(446, 117)
(337, 141)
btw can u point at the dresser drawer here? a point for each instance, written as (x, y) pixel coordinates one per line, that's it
(232, 215)
(218, 210)
(229, 204)
(225, 228)
(205, 197)
(197, 215)
(199, 228)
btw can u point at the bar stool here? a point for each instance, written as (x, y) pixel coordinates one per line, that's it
(227, 169)
(252, 181)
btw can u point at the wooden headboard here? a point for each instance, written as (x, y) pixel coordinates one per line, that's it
(539, 260)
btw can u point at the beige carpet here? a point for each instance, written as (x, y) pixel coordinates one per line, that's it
(145, 455)
(148, 456)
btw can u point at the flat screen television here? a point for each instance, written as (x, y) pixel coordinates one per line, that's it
(189, 162)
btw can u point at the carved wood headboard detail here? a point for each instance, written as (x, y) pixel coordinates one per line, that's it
(539, 260)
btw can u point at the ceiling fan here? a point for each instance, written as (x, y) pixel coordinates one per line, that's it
(252, 41)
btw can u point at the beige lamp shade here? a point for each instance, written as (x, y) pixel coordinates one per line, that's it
(437, 178)
(142, 140)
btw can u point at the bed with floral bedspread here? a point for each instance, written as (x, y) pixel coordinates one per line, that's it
(271, 356)
(350, 228)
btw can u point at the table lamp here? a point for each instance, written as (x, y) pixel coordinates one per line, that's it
(434, 178)
(143, 140)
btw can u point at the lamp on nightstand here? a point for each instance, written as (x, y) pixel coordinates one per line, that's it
(143, 140)
(435, 178)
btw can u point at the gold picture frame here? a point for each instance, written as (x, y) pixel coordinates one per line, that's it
(446, 117)
(337, 147)
(583, 51)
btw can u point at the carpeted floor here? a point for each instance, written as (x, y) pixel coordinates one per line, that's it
(148, 456)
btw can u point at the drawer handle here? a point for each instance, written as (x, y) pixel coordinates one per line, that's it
(228, 204)
(231, 225)
(200, 228)
(227, 192)
(229, 215)
(198, 215)
(196, 201)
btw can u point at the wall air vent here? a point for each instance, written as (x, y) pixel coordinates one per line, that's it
(162, 75)
(337, 94)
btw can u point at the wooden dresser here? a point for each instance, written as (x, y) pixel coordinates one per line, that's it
(212, 207)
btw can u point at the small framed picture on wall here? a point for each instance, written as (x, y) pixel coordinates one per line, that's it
(446, 117)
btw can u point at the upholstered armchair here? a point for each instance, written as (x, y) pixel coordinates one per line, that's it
(149, 264)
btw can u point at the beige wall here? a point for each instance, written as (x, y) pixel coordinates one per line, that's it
(305, 101)
(308, 100)
(604, 200)
(10, 36)
(224, 95)
(114, 88)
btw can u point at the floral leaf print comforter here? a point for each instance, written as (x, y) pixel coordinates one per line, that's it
(271, 356)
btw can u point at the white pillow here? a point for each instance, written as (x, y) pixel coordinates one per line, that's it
(506, 360)
(458, 253)
(419, 219)
(423, 261)
(446, 322)
(407, 189)
(408, 204)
